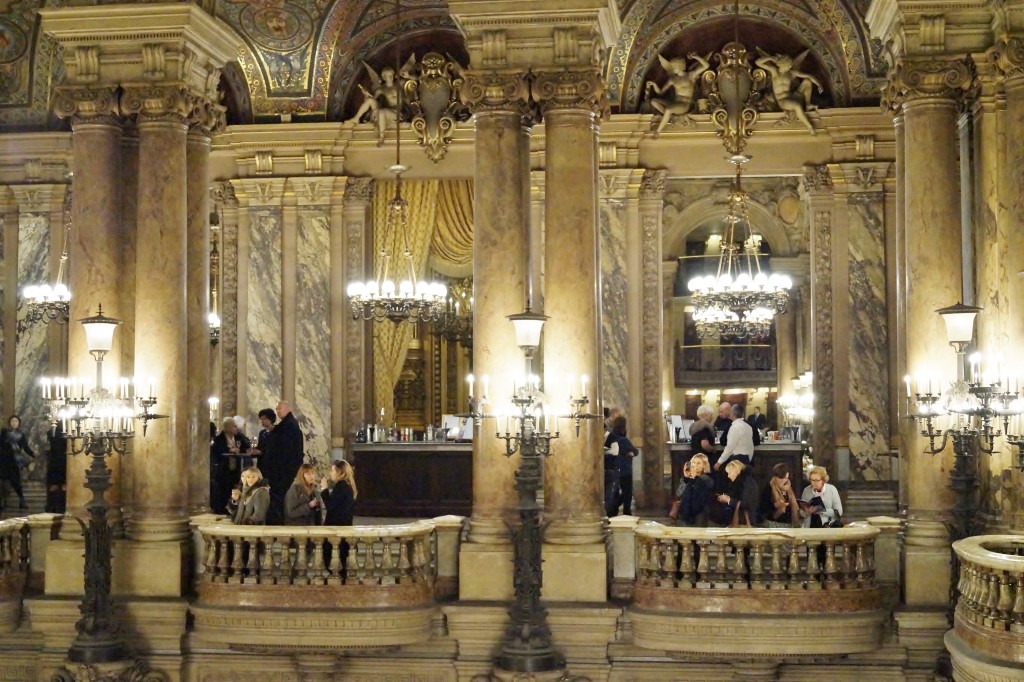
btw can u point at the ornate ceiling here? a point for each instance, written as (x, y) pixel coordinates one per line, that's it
(304, 58)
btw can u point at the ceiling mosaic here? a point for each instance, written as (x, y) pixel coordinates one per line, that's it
(303, 58)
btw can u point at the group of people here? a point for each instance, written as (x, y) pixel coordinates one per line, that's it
(268, 483)
(720, 489)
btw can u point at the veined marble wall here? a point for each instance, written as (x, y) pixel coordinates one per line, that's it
(263, 344)
(614, 305)
(868, 352)
(313, 334)
(32, 348)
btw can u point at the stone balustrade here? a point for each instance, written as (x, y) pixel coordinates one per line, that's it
(696, 587)
(14, 568)
(990, 611)
(375, 581)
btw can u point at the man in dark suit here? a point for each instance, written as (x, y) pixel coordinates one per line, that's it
(281, 460)
(757, 421)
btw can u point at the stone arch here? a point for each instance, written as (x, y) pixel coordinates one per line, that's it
(705, 210)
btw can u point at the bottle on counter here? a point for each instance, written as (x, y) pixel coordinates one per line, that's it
(361, 433)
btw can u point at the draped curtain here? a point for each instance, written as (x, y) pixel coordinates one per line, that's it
(440, 234)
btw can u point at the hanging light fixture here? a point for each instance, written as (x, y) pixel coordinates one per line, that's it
(213, 318)
(51, 303)
(455, 324)
(742, 298)
(411, 299)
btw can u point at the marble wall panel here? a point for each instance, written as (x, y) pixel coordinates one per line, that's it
(32, 348)
(868, 351)
(263, 345)
(614, 306)
(313, 334)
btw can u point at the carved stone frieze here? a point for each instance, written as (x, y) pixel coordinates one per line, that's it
(570, 89)
(652, 184)
(359, 189)
(910, 80)
(817, 179)
(85, 104)
(209, 118)
(156, 102)
(497, 91)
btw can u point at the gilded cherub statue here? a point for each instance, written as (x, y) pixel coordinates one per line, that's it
(384, 102)
(678, 92)
(791, 86)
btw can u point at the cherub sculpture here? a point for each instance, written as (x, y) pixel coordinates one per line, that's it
(678, 92)
(791, 86)
(384, 102)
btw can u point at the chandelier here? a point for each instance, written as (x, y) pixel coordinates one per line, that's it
(48, 303)
(213, 318)
(455, 324)
(411, 299)
(741, 299)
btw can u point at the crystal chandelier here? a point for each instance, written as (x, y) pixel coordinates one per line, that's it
(741, 299)
(48, 303)
(412, 299)
(455, 323)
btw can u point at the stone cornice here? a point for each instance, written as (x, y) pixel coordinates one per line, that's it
(920, 27)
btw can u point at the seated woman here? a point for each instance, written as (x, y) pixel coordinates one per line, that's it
(339, 496)
(820, 505)
(225, 463)
(302, 502)
(743, 496)
(697, 494)
(778, 502)
(248, 506)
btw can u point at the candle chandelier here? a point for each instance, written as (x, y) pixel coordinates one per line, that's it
(741, 299)
(455, 324)
(411, 299)
(213, 317)
(51, 303)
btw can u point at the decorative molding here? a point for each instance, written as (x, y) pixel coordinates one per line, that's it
(159, 102)
(929, 79)
(652, 184)
(1008, 57)
(570, 89)
(484, 91)
(86, 105)
(817, 179)
(359, 190)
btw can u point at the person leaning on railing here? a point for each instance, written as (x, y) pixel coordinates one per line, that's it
(339, 496)
(302, 502)
(248, 506)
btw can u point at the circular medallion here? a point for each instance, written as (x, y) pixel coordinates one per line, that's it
(12, 42)
(281, 29)
(789, 209)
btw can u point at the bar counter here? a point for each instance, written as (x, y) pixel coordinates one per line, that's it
(413, 480)
(766, 455)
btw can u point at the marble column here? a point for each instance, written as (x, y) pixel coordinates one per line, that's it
(9, 313)
(930, 94)
(500, 245)
(96, 273)
(197, 443)
(350, 361)
(230, 292)
(571, 101)
(897, 285)
(160, 458)
(651, 337)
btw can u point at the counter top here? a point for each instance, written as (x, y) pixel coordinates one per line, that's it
(407, 446)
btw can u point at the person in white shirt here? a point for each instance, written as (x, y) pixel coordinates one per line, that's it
(820, 504)
(739, 442)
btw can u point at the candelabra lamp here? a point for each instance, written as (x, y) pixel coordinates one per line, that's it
(526, 647)
(99, 421)
(972, 413)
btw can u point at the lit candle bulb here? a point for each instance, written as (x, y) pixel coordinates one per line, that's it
(583, 388)
(906, 380)
(469, 380)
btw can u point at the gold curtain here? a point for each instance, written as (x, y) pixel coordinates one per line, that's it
(451, 247)
(390, 340)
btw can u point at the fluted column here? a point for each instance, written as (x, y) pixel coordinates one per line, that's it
(572, 101)
(197, 153)
(160, 459)
(95, 273)
(930, 94)
(500, 243)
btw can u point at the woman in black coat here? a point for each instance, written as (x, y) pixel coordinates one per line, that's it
(225, 463)
(339, 496)
(12, 439)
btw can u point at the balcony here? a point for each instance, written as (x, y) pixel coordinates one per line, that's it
(987, 639)
(789, 591)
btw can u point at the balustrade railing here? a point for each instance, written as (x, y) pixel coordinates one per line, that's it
(340, 566)
(14, 567)
(672, 564)
(990, 610)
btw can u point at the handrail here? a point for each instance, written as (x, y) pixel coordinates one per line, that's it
(990, 610)
(14, 548)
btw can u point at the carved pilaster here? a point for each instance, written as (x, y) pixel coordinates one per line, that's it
(652, 190)
(223, 196)
(652, 185)
(570, 89)
(358, 198)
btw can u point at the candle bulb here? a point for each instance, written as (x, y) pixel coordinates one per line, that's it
(906, 379)
(583, 389)
(469, 380)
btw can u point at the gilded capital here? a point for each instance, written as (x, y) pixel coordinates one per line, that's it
(1008, 56)
(85, 104)
(652, 184)
(570, 89)
(160, 102)
(497, 91)
(359, 189)
(909, 80)
(208, 117)
(817, 180)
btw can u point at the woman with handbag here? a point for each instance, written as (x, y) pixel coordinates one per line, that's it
(15, 453)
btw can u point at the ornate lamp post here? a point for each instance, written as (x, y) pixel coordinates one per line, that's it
(99, 421)
(527, 647)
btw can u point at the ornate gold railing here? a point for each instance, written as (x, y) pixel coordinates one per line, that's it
(716, 569)
(340, 566)
(14, 566)
(990, 610)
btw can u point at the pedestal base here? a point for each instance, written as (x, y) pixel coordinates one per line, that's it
(141, 569)
(485, 572)
(117, 671)
(575, 573)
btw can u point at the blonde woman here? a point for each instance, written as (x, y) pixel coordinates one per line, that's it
(302, 502)
(248, 506)
(820, 504)
(696, 495)
(743, 496)
(339, 494)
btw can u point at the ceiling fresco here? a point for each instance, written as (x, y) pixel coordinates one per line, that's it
(303, 58)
